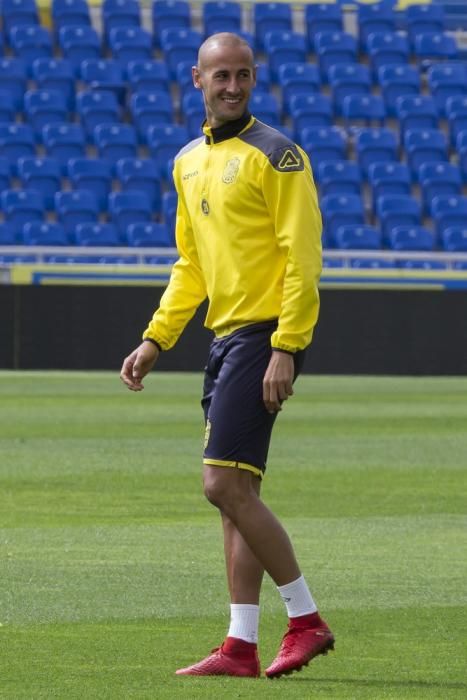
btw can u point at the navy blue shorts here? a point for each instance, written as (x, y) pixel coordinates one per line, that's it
(238, 426)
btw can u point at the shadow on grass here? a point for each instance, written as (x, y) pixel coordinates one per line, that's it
(379, 683)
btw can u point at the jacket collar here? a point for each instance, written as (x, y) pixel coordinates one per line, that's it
(228, 130)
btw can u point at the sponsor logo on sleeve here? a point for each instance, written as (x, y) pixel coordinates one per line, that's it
(287, 159)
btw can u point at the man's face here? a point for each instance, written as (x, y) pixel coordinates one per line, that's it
(226, 75)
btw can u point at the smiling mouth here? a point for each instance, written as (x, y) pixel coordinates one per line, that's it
(232, 100)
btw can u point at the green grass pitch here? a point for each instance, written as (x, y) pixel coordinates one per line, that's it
(111, 565)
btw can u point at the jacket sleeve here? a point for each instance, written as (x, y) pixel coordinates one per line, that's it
(292, 202)
(186, 289)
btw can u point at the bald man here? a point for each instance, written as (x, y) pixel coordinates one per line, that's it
(248, 233)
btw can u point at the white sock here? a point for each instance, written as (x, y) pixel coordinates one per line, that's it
(297, 598)
(244, 621)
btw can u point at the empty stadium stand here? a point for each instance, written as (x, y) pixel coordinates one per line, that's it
(97, 99)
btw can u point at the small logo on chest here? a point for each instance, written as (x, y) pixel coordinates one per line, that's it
(231, 171)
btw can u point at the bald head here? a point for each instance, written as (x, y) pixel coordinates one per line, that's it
(226, 75)
(216, 44)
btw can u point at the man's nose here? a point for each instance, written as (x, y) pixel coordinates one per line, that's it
(232, 85)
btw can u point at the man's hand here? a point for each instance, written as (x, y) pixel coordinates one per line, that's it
(138, 364)
(277, 382)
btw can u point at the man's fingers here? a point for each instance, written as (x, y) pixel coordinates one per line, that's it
(129, 376)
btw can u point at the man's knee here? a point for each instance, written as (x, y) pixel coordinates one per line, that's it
(226, 487)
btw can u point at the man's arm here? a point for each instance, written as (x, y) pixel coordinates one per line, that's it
(292, 202)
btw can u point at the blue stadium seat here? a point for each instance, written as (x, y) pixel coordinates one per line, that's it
(31, 42)
(421, 19)
(52, 74)
(93, 234)
(389, 178)
(16, 141)
(115, 141)
(351, 79)
(165, 141)
(150, 235)
(130, 44)
(142, 175)
(127, 208)
(73, 208)
(193, 111)
(263, 78)
(322, 17)
(334, 48)
(341, 210)
(17, 13)
(94, 175)
(416, 112)
(461, 147)
(13, 79)
(447, 80)
(339, 177)
(180, 45)
(43, 175)
(438, 179)
(375, 146)
(265, 107)
(284, 47)
(7, 107)
(270, 16)
(358, 237)
(324, 143)
(456, 113)
(363, 110)
(64, 142)
(435, 47)
(397, 210)
(448, 211)
(94, 108)
(70, 13)
(169, 209)
(375, 18)
(8, 235)
(397, 81)
(297, 79)
(79, 44)
(148, 108)
(221, 16)
(43, 107)
(169, 14)
(45, 233)
(104, 74)
(5, 174)
(21, 206)
(120, 13)
(386, 49)
(411, 238)
(425, 146)
(148, 76)
(310, 111)
(454, 239)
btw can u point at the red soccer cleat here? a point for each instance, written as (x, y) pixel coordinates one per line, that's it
(233, 658)
(299, 646)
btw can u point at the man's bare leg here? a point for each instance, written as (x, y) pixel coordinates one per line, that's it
(244, 571)
(232, 491)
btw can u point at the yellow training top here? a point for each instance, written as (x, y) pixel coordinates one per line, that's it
(248, 233)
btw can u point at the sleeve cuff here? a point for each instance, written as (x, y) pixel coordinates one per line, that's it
(286, 352)
(154, 342)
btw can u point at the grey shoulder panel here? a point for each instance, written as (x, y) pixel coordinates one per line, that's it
(281, 152)
(189, 147)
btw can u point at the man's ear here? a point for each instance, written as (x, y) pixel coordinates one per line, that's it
(196, 76)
